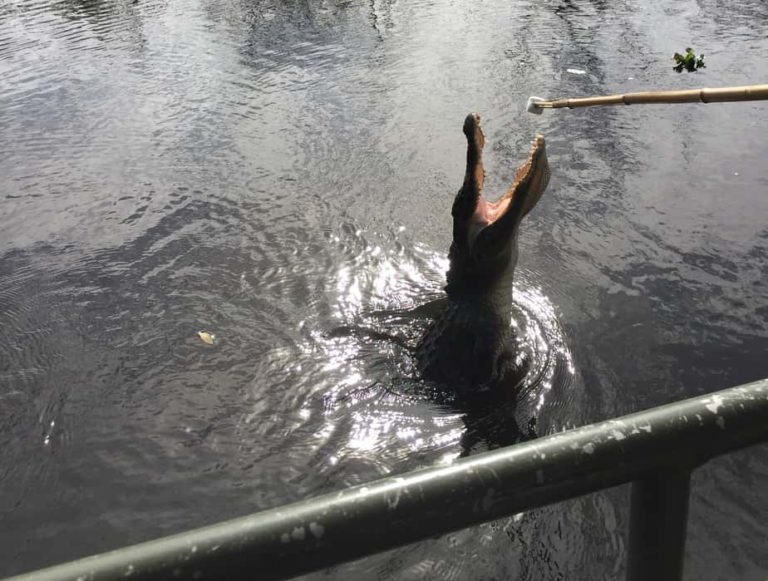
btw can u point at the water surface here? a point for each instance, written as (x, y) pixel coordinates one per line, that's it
(267, 171)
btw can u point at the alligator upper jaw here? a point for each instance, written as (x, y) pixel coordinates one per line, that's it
(503, 215)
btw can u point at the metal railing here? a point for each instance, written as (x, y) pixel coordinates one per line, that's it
(655, 450)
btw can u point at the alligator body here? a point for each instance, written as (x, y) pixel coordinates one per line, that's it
(470, 345)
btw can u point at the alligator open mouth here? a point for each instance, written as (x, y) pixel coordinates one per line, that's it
(530, 182)
(487, 212)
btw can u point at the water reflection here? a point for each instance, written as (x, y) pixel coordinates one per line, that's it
(270, 170)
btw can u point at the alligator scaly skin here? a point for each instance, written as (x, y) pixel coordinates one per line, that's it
(468, 347)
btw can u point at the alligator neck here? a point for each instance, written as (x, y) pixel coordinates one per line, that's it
(483, 295)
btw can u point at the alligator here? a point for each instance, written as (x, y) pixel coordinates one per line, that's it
(470, 344)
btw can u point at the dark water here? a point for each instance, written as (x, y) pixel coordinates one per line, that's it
(266, 171)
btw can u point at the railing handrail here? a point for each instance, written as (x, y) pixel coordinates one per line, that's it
(359, 521)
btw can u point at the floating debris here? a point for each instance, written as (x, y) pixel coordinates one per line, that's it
(206, 337)
(576, 71)
(688, 61)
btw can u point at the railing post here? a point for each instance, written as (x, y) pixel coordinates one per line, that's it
(658, 519)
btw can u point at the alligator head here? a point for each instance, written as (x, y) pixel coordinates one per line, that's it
(470, 344)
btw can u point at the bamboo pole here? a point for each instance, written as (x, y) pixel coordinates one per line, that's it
(723, 94)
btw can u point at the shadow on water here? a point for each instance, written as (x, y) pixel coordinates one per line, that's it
(91, 9)
(119, 21)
